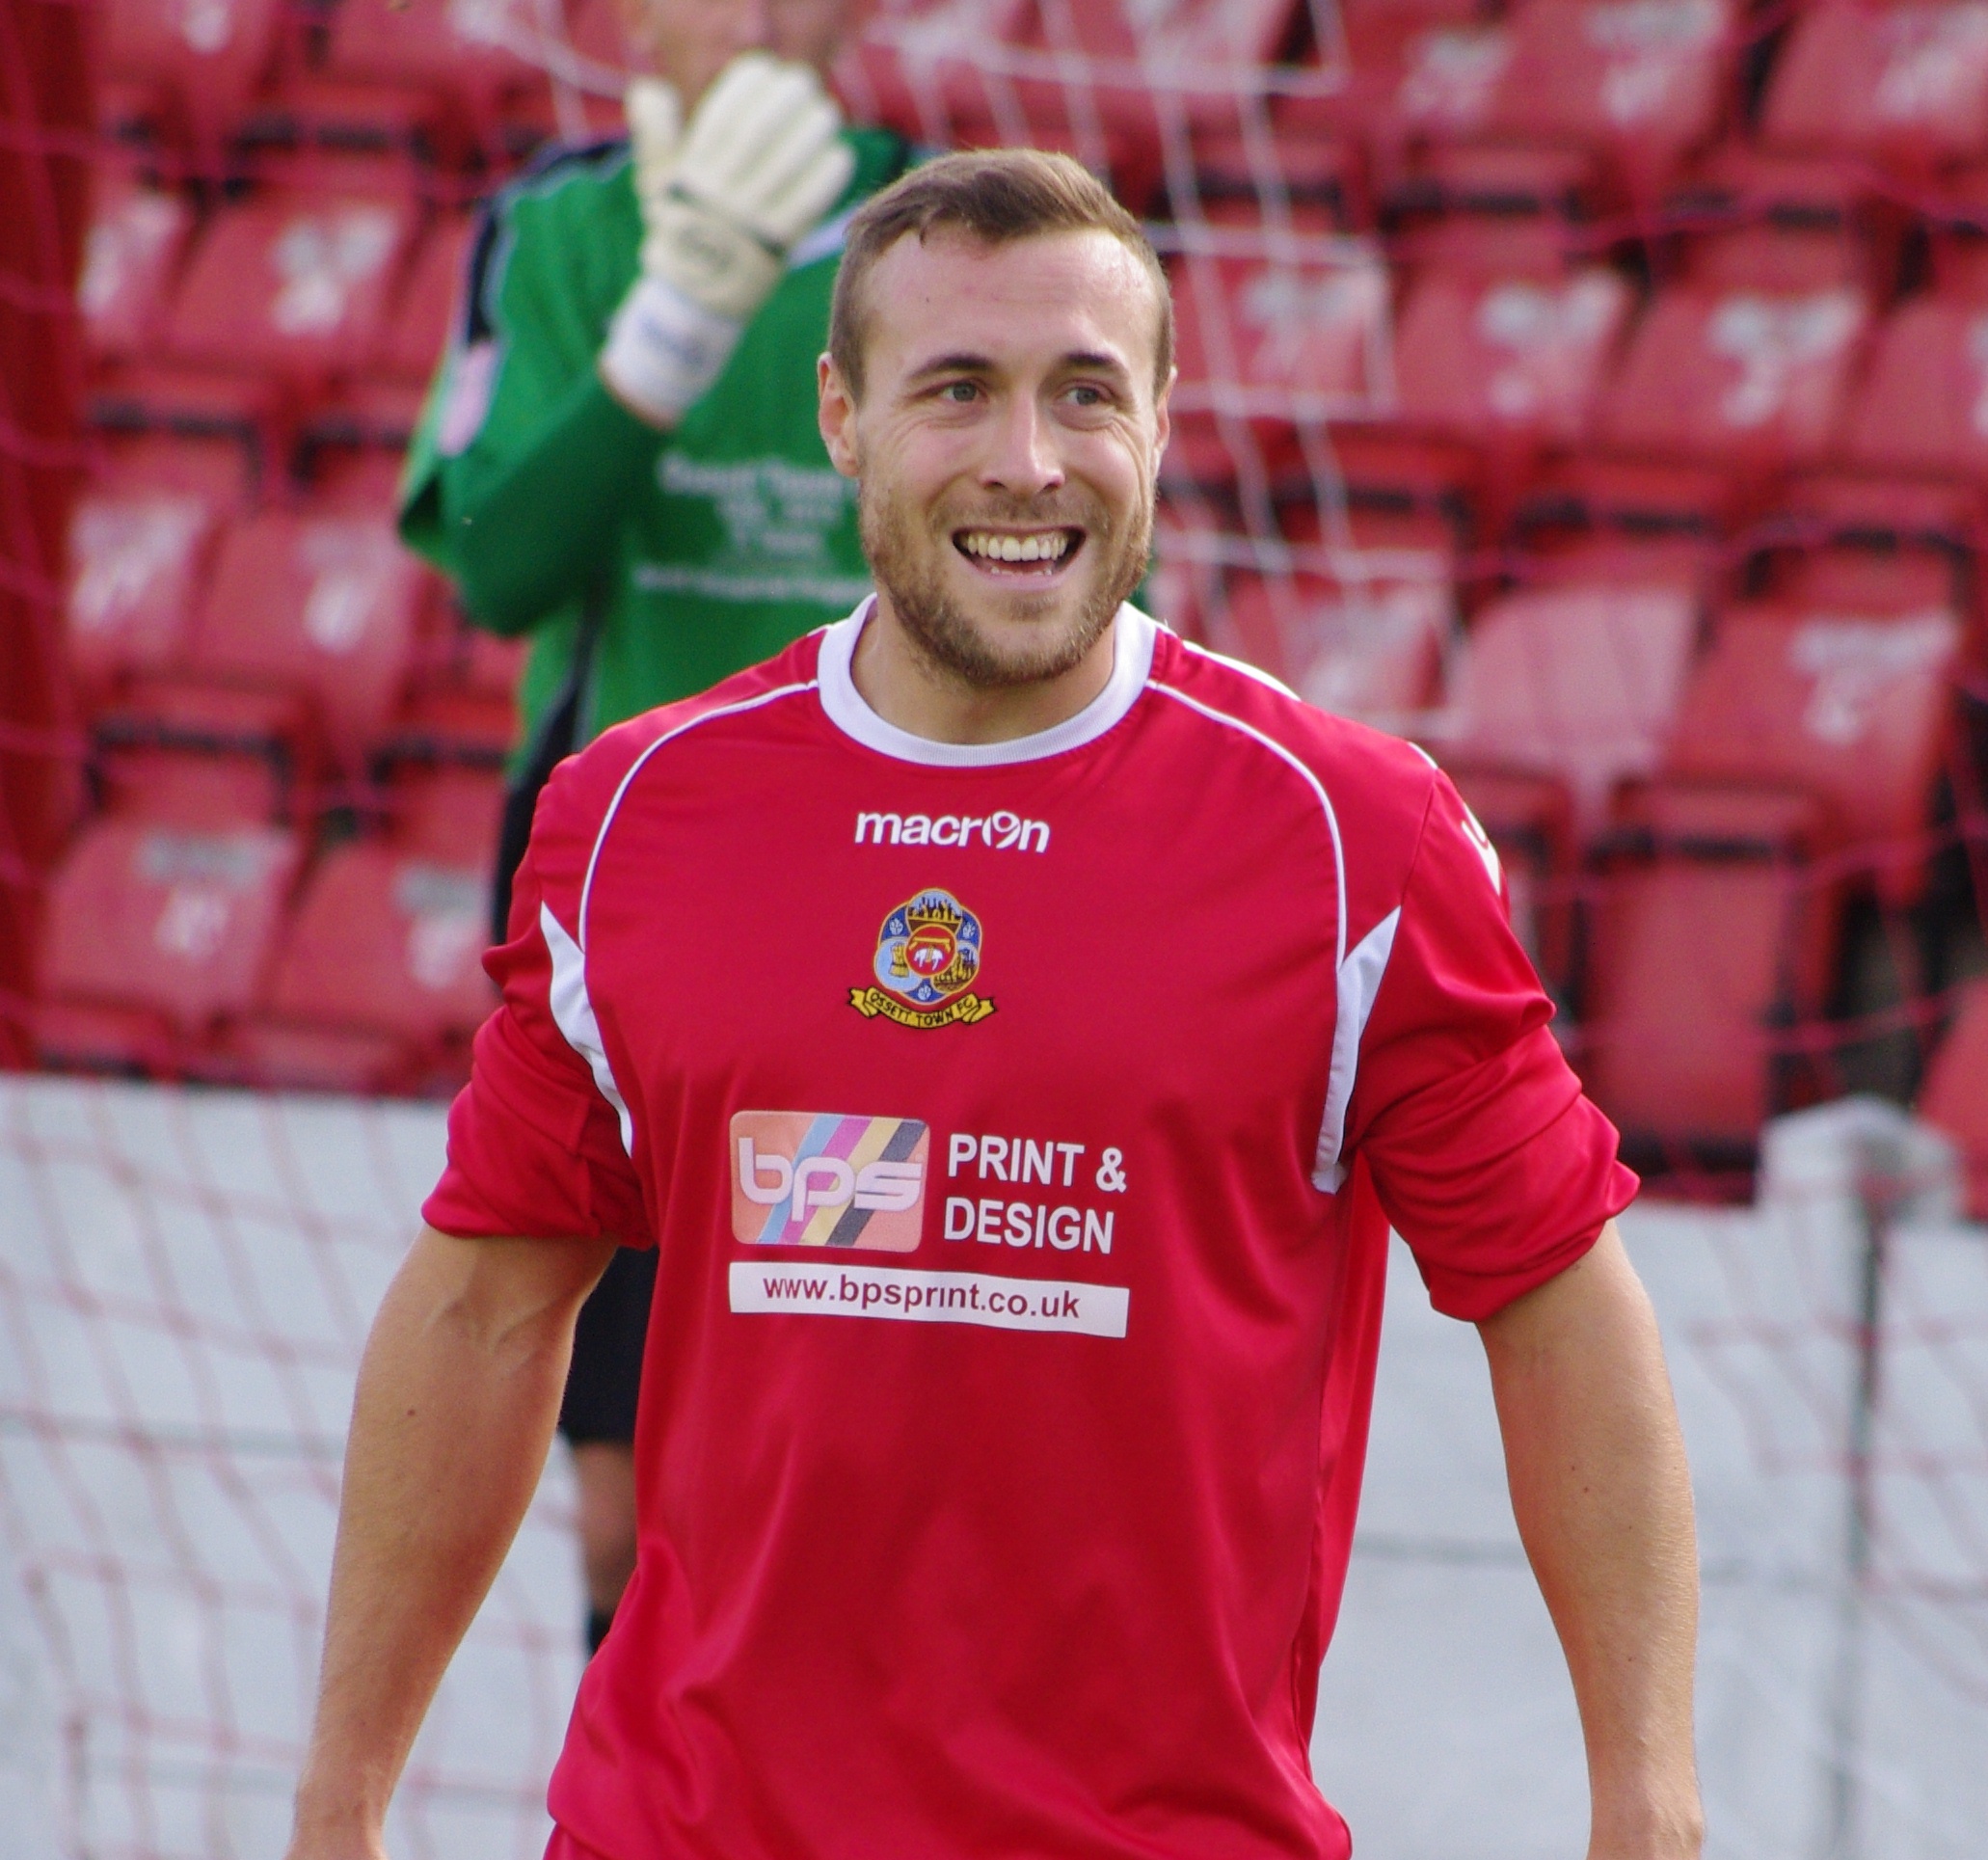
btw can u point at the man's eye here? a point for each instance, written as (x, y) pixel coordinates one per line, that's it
(1088, 397)
(960, 392)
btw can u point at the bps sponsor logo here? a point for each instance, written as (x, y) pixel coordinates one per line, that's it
(928, 958)
(807, 1178)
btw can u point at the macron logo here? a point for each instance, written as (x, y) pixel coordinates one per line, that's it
(1002, 831)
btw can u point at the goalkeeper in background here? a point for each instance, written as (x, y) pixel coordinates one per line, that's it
(620, 459)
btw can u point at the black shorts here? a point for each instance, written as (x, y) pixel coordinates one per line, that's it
(606, 1378)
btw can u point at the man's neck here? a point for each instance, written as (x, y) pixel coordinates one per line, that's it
(902, 683)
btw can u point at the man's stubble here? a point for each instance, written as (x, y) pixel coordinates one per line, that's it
(946, 636)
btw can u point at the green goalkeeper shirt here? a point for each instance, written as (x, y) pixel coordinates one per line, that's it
(705, 549)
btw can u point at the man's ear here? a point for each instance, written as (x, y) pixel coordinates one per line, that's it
(836, 416)
(1162, 415)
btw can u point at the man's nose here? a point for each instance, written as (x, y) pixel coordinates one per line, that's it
(1024, 459)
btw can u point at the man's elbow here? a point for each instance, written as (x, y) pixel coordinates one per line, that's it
(508, 1301)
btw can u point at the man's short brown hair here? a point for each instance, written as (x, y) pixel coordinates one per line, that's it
(994, 196)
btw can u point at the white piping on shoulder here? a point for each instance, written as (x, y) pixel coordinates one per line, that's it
(573, 1008)
(1243, 668)
(1356, 977)
(1311, 781)
(586, 890)
(573, 1013)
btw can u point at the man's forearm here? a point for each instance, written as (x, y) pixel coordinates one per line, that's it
(1602, 1497)
(457, 1397)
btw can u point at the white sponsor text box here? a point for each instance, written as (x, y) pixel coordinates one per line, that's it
(931, 1297)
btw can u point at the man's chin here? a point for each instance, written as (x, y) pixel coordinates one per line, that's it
(992, 638)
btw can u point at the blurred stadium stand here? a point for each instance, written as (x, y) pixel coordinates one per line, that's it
(1596, 390)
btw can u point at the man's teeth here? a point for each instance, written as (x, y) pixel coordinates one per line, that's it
(1049, 547)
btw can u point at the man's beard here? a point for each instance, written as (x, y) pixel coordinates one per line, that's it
(947, 638)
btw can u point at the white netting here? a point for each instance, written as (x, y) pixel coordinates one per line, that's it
(185, 1284)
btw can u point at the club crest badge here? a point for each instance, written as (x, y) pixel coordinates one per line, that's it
(928, 959)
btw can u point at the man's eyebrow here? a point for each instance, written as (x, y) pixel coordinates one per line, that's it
(962, 361)
(1099, 360)
(957, 363)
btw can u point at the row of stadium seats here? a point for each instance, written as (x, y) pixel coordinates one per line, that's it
(1643, 85)
(432, 85)
(1769, 350)
(1473, 477)
(199, 948)
(180, 582)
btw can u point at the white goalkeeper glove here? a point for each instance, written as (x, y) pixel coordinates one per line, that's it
(759, 165)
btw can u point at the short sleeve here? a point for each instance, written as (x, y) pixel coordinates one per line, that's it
(1489, 1159)
(534, 1147)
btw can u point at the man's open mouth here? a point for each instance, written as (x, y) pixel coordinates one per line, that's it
(1020, 554)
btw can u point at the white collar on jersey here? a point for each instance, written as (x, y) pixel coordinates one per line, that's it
(1131, 659)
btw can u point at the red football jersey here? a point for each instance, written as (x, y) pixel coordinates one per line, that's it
(1020, 1125)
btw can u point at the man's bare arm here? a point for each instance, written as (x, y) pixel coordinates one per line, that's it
(458, 1393)
(1602, 1496)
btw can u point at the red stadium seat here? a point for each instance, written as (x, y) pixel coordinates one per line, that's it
(386, 943)
(328, 606)
(1282, 340)
(1923, 406)
(1904, 85)
(1645, 82)
(447, 812)
(1955, 1095)
(474, 52)
(1465, 210)
(1613, 498)
(197, 756)
(1580, 680)
(141, 538)
(138, 558)
(137, 234)
(310, 120)
(1851, 706)
(1450, 82)
(1697, 958)
(1368, 649)
(1512, 362)
(445, 727)
(376, 413)
(201, 63)
(1884, 571)
(1791, 223)
(191, 403)
(166, 921)
(416, 333)
(1318, 181)
(1750, 379)
(1378, 30)
(918, 67)
(1145, 60)
(290, 286)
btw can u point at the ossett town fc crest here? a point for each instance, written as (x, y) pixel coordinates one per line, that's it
(927, 958)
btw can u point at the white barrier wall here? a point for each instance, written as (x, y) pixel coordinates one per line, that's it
(186, 1277)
